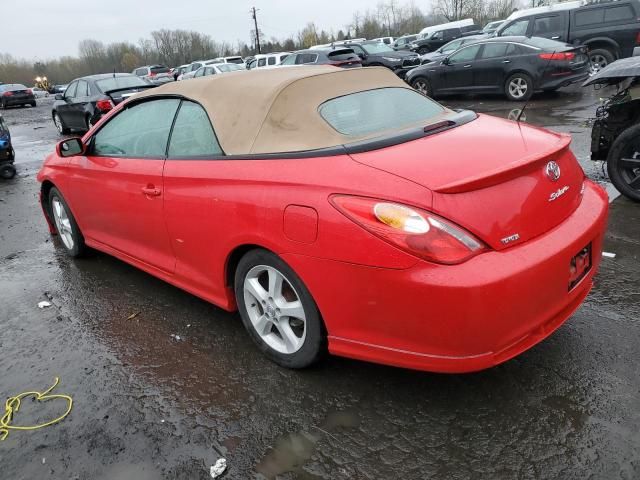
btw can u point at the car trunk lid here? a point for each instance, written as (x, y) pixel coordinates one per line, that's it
(491, 176)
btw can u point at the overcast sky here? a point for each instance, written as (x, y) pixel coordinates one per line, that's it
(43, 29)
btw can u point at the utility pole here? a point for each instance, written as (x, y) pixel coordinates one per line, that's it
(255, 21)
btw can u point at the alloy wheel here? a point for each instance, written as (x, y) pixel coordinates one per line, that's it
(275, 309)
(422, 87)
(63, 224)
(58, 122)
(518, 87)
(598, 62)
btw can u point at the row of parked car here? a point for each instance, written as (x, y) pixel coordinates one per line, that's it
(537, 49)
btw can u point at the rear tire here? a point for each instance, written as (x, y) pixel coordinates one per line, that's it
(423, 50)
(33, 104)
(65, 223)
(518, 87)
(623, 163)
(62, 129)
(266, 288)
(423, 86)
(600, 58)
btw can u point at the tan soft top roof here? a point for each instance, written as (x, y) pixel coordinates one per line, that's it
(276, 110)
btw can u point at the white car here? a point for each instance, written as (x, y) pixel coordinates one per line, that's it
(217, 68)
(39, 92)
(190, 71)
(237, 60)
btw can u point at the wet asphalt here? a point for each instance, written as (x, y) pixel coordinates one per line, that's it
(164, 384)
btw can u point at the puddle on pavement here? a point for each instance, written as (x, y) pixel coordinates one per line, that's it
(292, 450)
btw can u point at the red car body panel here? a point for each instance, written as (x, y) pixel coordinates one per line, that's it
(182, 220)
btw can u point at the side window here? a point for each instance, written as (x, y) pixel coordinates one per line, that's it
(438, 35)
(451, 46)
(617, 14)
(271, 61)
(305, 58)
(192, 133)
(139, 131)
(290, 60)
(466, 54)
(82, 90)
(70, 92)
(141, 72)
(513, 49)
(357, 49)
(452, 33)
(282, 57)
(589, 17)
(494, 50)
(209, 71)
(544, 25)
(518, 27)
(262, 62)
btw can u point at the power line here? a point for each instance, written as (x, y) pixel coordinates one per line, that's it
(255, 21)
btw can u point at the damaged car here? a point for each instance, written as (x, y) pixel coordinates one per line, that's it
(615, 135)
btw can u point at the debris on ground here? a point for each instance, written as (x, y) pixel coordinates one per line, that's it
(44, 304)
(219, 468)
(608, 254)
(176, 337)
(133, 315)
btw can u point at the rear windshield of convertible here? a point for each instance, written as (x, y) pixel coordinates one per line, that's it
(379, 110)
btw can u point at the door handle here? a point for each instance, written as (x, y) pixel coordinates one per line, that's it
(506, 61)
(467, 66)
(555, 38)
(151, 191)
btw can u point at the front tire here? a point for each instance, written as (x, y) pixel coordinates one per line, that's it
(623, 163)
(65, 223)
(423, 86)
(7, 172)
(423, 50)
(518, 87)
(278, 311)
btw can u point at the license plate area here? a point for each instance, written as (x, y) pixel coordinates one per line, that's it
(579, 266)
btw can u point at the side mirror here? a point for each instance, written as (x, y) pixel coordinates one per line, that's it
(59, 96)
(70, 147)
(446, 61)
(362, 56)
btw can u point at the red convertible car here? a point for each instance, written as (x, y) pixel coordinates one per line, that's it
(338, 210)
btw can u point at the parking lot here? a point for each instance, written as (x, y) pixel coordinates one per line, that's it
(164, 384)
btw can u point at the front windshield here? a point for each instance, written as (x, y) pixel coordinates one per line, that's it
(114, 83)
(377, 48)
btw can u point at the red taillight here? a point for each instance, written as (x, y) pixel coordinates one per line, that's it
(638, 37)
(7, 94)
(104, 105)
(558, 56)
(152, 74)
(411, 229)
(29, 91)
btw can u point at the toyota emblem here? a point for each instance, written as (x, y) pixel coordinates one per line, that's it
(553, 171)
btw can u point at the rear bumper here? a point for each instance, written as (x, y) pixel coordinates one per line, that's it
(19, 100)
(560, 81)
(458, 318)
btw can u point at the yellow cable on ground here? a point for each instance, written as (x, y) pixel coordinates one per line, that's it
(12, 405)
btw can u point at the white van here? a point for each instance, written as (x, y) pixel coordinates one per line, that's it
(467, 22)
(264, 60)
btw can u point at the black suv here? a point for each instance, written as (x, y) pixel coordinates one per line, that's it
(434, 40)
(375, 54)
(610, 30)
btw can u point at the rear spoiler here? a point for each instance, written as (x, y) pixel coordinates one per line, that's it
(115, 90)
